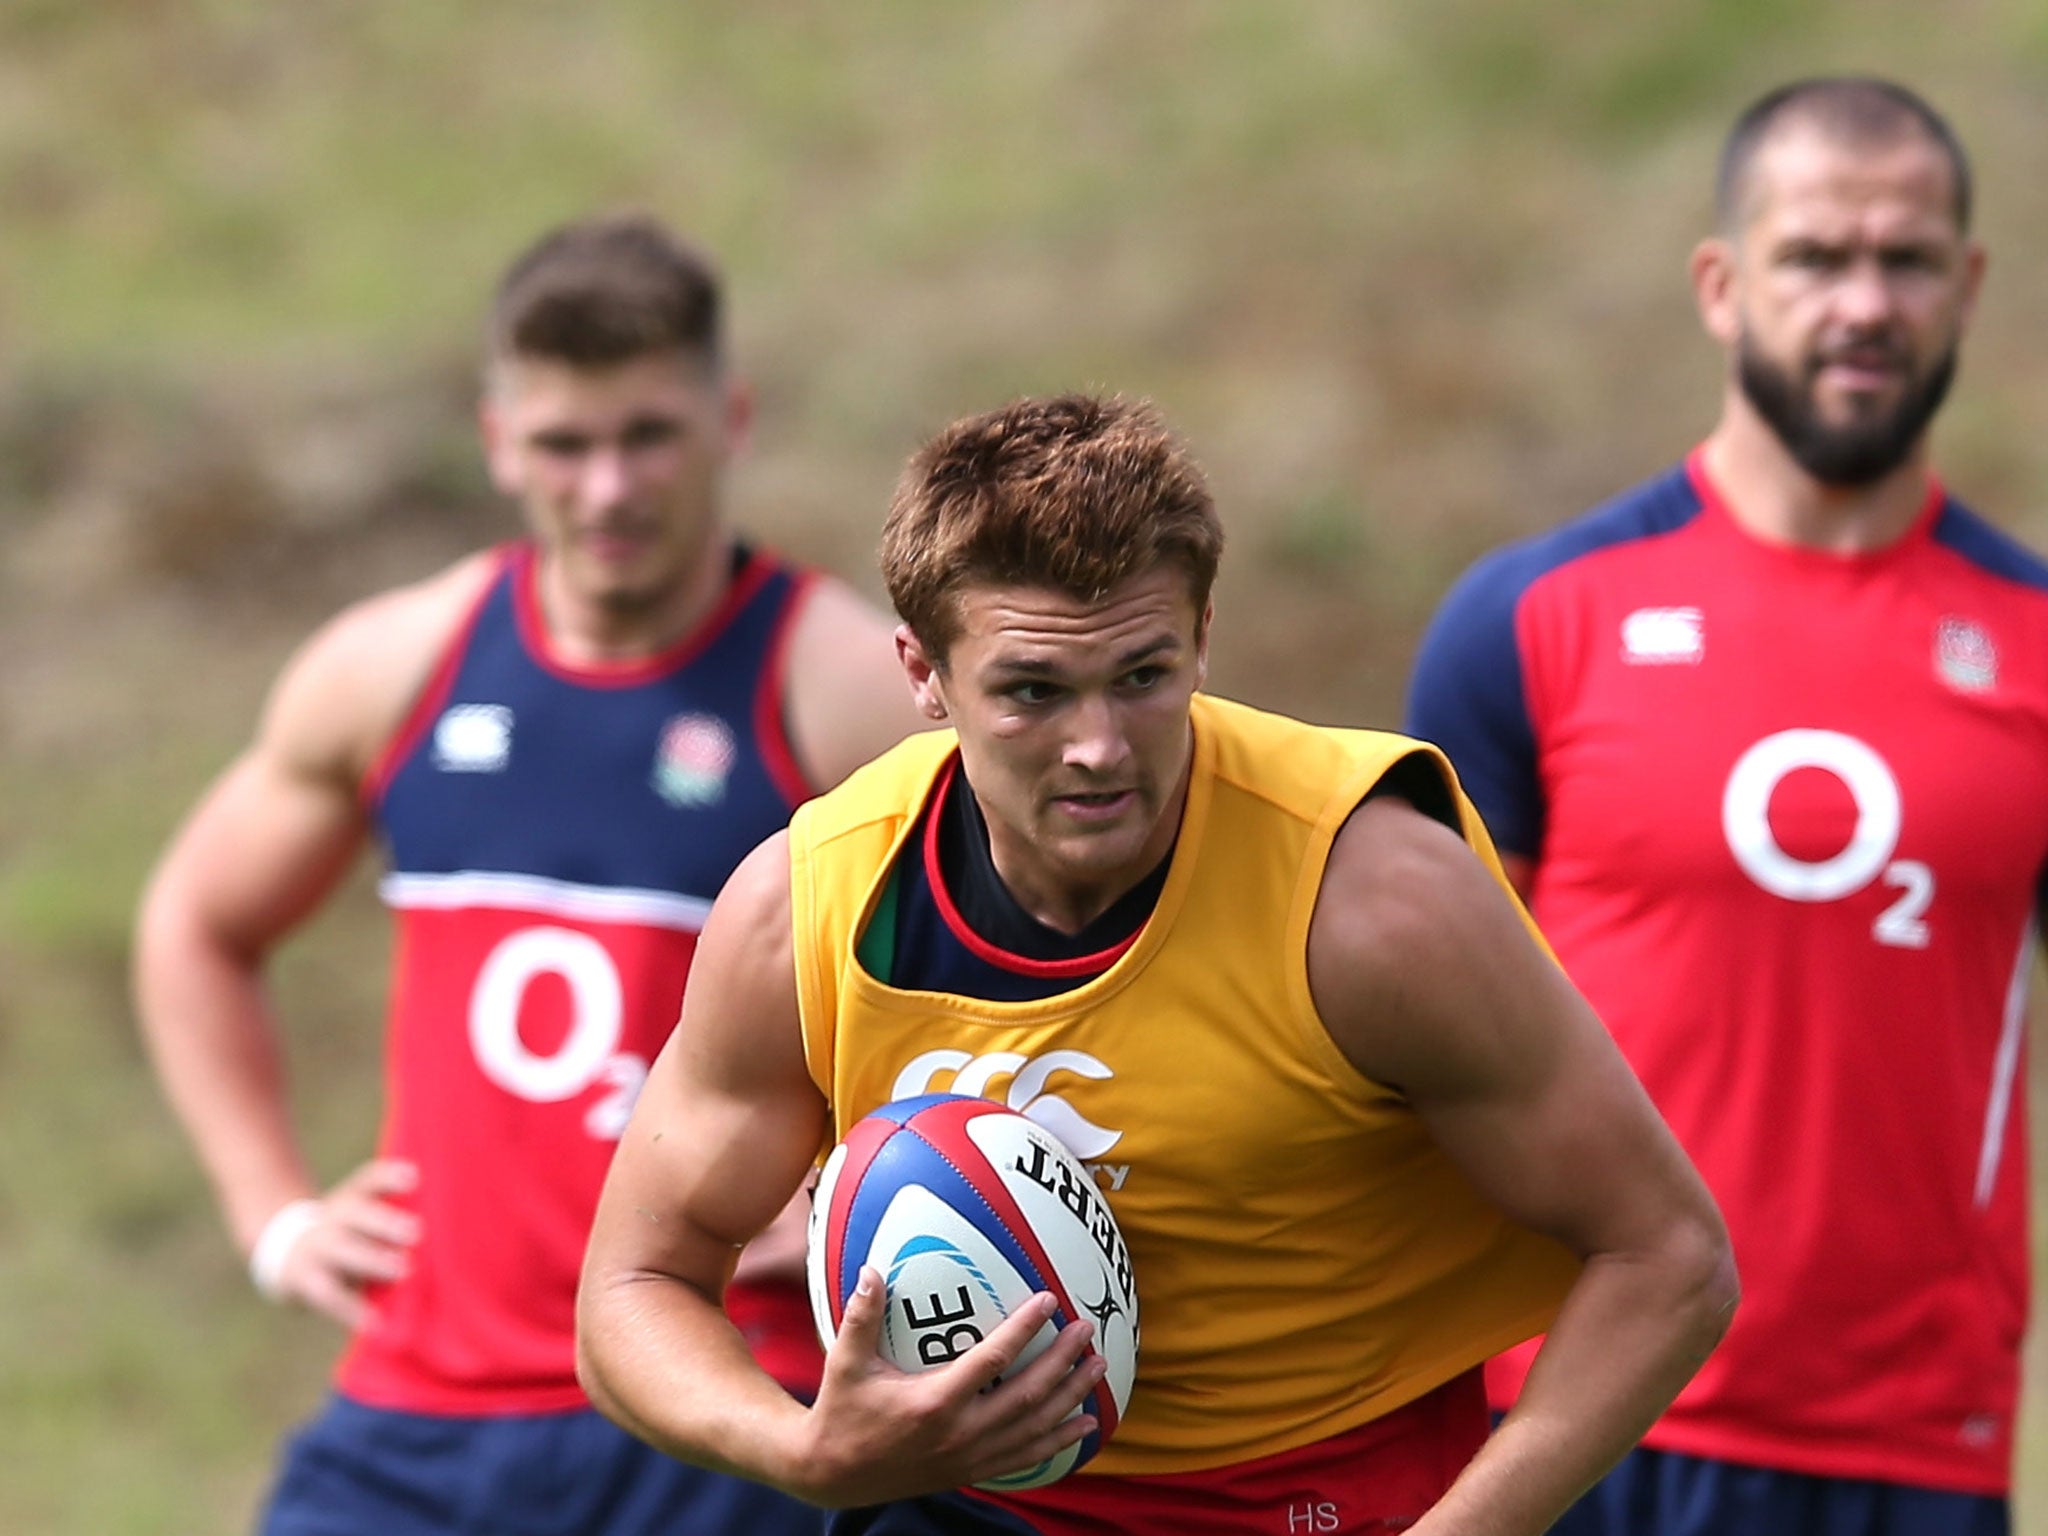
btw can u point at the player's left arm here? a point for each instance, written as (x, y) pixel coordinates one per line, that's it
(1428, 979)
(843, 687)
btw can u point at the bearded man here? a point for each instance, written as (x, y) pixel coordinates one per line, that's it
(1764, 743)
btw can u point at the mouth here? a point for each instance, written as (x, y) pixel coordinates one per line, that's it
(1096, 805)
(613, 545)
(1862, 367)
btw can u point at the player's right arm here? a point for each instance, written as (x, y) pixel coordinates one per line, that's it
(261, 850)
(726, 1128)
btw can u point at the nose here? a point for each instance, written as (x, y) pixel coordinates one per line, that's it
(1099, 744)
(1864, 298)
(605, 479)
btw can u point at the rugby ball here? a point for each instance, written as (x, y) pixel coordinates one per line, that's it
(968, 1209)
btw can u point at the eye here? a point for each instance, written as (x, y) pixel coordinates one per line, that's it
(1913, 260)
(1032, 693)
(1812, 258)
(1142, 679)
(560, 445)
(652, 432)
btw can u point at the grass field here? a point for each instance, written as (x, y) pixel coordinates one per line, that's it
(1409, 276)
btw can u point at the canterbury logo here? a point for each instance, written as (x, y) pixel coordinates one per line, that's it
(1027, 1095)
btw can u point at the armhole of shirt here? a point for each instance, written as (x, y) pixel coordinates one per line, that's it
(1419, 779)
(816, 980)
(876, 950)
(772, 726)
(1313, 1034)
(433, 692)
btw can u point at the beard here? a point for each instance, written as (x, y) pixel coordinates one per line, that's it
(1849, 455)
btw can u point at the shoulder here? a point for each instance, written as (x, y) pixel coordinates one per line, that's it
(756, 894)
(836, 634)
(1408, 920)
(389, 631)
(846, 696)
(1296, 766)
(746, 954)
(747, 934)
(1494, 584)
(1398, 883)
(349, 685)
(1466, 687)
(1967, 534)
(831, 606)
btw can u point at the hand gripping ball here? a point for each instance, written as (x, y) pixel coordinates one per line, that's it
(967, 1209)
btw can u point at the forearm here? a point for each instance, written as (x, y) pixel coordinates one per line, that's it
(659, 1357)
(208, 1027)
(1630, 1334)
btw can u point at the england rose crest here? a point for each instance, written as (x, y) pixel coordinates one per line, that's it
(1965, 655)
(693, 760)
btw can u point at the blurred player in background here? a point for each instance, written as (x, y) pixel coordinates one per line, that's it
(1765, 740)
(565, 745)
(1354, 1124)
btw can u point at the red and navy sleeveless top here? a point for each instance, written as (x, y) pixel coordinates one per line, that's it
(556, 834)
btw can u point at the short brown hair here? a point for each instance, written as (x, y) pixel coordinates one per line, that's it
(604, 291)
(1076, 493)
(1860, 111)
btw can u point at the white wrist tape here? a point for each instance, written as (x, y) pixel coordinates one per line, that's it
(274, 1244)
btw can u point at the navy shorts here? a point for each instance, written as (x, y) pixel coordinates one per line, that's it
(1660, 1493)
(938, 1514)
(358, 1471)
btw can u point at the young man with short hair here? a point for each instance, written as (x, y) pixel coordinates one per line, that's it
(565, 744)
(1358, 1131)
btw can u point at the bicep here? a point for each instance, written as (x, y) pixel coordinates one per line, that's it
(262, 848)
(1549, 1122)
(281, 825)
(729, 1121)
(1430, 980)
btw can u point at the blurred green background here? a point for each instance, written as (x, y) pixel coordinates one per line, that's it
(1410, 277)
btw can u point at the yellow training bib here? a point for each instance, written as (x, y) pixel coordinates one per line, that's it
(1306, 1258)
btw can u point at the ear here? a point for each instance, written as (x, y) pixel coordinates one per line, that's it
(739, 414)
(501, 457)
(1202, 644)
(1712, 269)
(927, 682)
(1973, 275)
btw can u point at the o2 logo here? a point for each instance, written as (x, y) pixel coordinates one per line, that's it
(1746, 822)
(587, 1054)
